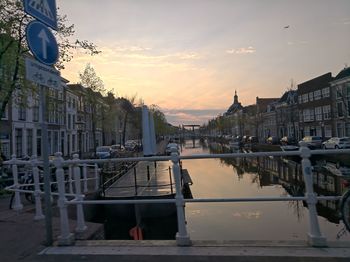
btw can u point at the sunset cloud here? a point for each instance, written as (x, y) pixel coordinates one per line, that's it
(242, 50)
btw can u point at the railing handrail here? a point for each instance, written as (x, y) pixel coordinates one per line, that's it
(315, 236)
(181, 157)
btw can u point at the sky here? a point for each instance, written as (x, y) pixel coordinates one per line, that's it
(189, 56)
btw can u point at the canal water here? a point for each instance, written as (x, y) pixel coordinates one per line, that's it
(218, 178)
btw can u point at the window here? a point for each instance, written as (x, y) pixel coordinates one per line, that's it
(340, 109)
(347, 89)
(21, 112)
(311, 96)
(326, 112)
(19, 142)
(317, 94)
(29, 142)
(5, 113)
(318, 113)
(55, 141)
(325, 92)
(347, 129)
(69, 102)
(299, 99)
(339, 93)
(73, 142)
(73, 124)
(327, 130)
(69, 121)
(305, 98)
(38, 142)
(35, 109)
(308, 115)
(340, 130)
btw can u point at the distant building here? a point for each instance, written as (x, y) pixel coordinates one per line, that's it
(235, 107)
(341, 103)
(266, 118)
(287, 118)
(315, 107)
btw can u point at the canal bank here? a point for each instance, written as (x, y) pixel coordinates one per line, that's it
(199, 251)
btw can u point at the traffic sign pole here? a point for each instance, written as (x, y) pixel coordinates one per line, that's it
(42, 43)
(47, 177)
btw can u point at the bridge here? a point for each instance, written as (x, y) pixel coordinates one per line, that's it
(74, 186)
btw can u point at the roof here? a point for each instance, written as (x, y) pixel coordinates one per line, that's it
(343, 73)
(315, 83)
(262, 103)
(289, 97)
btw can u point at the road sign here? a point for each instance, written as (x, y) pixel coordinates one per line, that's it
(41, 74)
(42, 43)
(43, 10)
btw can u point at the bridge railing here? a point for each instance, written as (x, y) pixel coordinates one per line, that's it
(315, 237)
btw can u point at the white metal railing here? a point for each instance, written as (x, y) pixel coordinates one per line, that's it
(315, 237)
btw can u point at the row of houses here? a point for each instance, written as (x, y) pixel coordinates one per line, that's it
(318, 107)
(78, 120)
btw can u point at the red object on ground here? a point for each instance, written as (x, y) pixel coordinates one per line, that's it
(136, 233)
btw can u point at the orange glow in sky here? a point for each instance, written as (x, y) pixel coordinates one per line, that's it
(189, 56)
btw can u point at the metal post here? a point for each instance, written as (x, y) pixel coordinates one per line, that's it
(37, 192)
(97, 182)
(135, 180)
(81, 227)
(171, 181)
(182, 237)
(70, 179)
(17, 205)
(148, 175)
(315, 238)
(85, 178)
(47, 182)
(66, 238)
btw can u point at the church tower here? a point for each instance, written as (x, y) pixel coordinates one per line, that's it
(235, 99)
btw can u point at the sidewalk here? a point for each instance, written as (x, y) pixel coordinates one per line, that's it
(21, 238)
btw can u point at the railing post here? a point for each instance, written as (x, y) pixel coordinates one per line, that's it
(66, 238)
(17, 205)
(70, 179)
(37, 192)
(97, 180)
(85, 178)
(81, 227)
(315, 238)
(182, 237)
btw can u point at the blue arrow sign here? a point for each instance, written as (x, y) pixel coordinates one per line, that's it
(43, 10)
(42, 43)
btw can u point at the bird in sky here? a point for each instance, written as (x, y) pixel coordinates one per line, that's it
(287, 26)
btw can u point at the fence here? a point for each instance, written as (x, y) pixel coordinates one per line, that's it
(315, 237)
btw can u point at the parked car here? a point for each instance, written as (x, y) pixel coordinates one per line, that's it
(103, 152)
(312, 142)
(245, 139)
(288, 140)
(272, 140)
(131, 145)
(336, 142)
(117, 147)
(169, 146)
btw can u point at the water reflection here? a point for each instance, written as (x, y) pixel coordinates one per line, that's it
(260, 176)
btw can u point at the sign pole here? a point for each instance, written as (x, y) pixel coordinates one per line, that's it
(47, 180)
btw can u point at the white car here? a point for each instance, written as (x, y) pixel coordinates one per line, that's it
(336, 142)
(169, 146)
